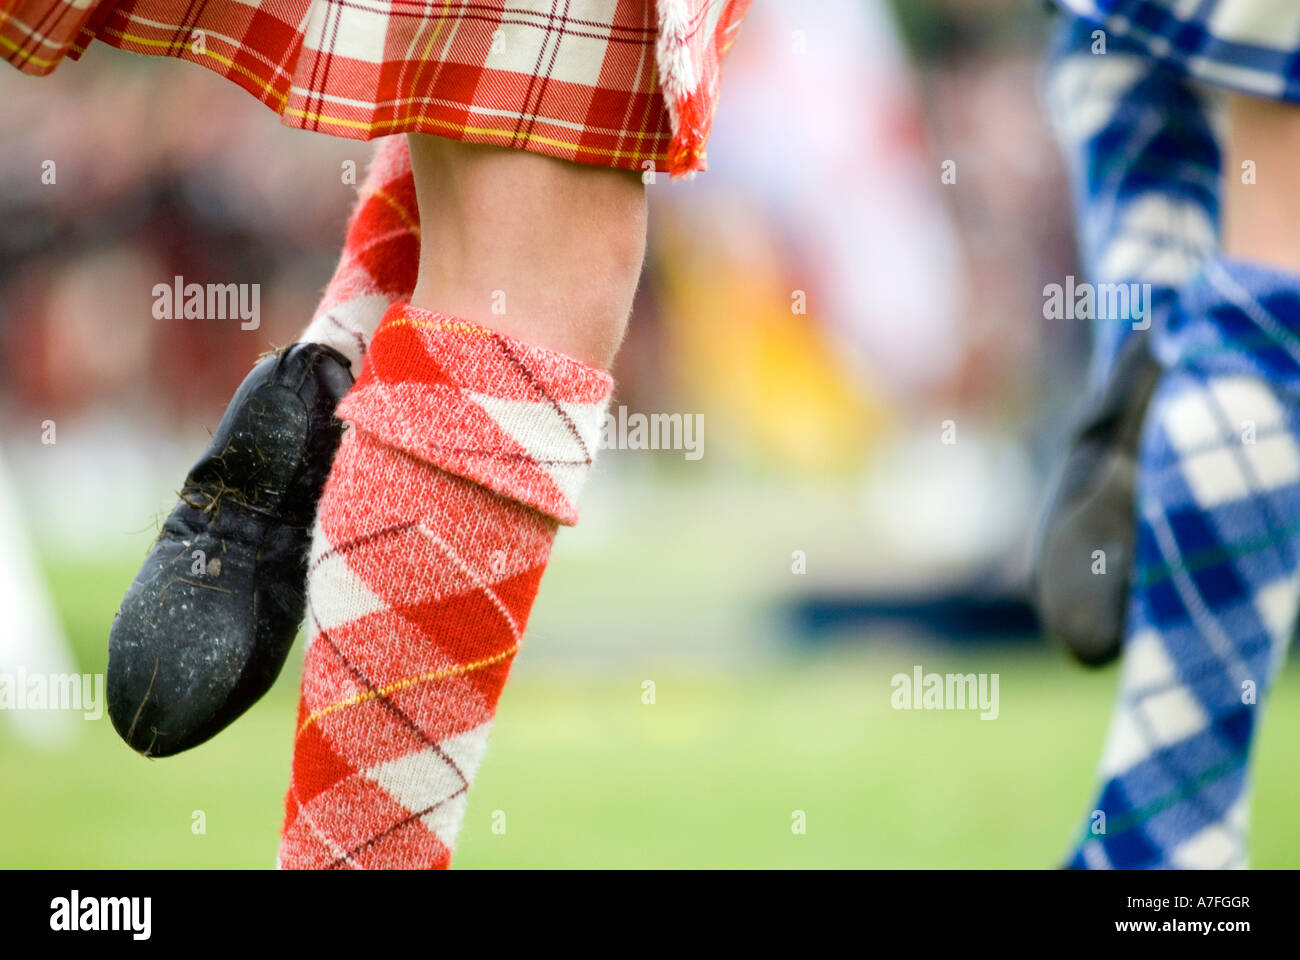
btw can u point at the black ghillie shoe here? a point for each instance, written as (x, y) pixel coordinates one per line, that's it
(1091, 509)
(208, 621)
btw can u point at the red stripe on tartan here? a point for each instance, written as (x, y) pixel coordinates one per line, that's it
(424, 388)
(409, 341)
(381, 687)
(397, 719)
(356, 824)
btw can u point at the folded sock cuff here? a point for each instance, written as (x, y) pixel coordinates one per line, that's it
(1237, 317)
(1224, 43)
(520, 419)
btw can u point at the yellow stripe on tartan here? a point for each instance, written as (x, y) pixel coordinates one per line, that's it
(478, 131)
(397, 686)
(174, 46)
(455, 326)
(437, 30)
(25, 57)
(402, 212)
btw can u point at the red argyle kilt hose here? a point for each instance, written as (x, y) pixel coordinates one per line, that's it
(629, 84)
(467, 449)
(380, 259)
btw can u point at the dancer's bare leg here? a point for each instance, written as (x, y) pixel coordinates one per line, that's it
(476, 418)
(535, 248)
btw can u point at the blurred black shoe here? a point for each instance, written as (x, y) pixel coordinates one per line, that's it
(205, 627)
(1092, 509)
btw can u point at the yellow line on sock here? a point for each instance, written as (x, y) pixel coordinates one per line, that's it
(456, 326)
(401, 210)
(399, 685)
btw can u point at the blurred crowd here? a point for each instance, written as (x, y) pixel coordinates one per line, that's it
(852, 272)
(159, 170)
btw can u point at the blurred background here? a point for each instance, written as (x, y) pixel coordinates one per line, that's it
(822, 298)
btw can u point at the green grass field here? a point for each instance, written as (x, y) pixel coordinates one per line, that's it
(588, 776)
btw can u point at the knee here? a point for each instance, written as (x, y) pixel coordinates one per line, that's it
(542, 249)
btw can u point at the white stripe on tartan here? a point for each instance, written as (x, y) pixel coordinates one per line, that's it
(1095, 856)
(1274, 461)
(336, 851)
(338, 595)
(428, 778)
(467, 750)
(1262, 22)
(1147, 722)
(456, 104)
(1146, 663)
(1245, 399)
(210, 35)
(1084, 91)
(1206, 622)
(1214, 477)
(1261, 83)
(1125, 746)
(478, 579)
(1160, 240)
(548, 438)
(348, 326)
(1249, 305)
(1219, 846)
(1277, 604)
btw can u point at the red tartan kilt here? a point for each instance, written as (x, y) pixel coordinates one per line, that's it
(508, 73)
